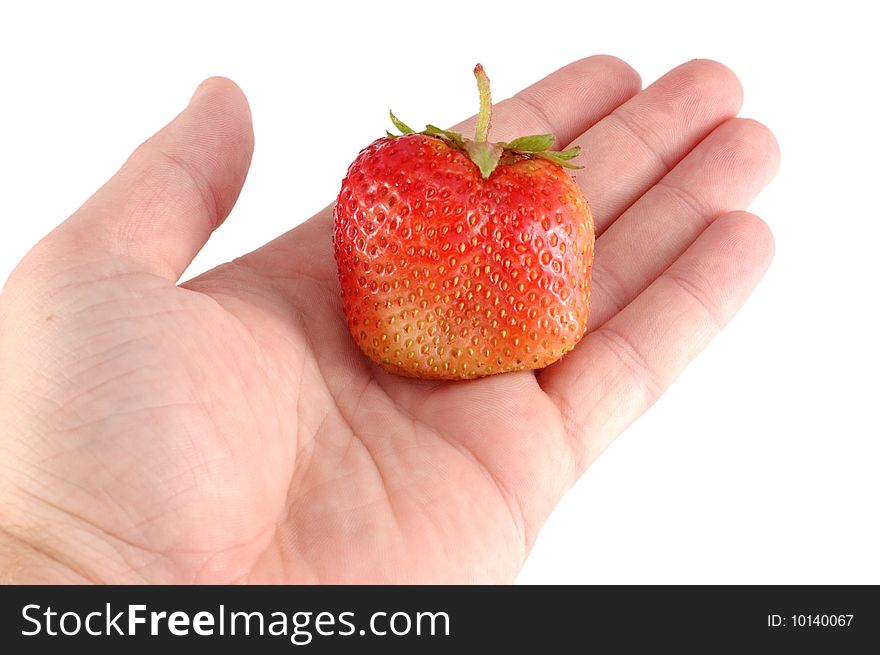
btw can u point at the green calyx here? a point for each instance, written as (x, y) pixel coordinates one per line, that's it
(485, 154)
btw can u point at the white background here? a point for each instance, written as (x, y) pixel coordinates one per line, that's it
(760, 465)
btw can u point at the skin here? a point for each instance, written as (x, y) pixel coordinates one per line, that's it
(228, 430)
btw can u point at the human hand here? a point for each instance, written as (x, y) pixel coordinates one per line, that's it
(228, 429)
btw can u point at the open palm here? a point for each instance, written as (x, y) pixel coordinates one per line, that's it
(228, 429)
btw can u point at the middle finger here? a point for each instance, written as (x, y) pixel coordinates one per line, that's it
(638, 143)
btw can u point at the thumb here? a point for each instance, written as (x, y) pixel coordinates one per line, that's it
(176, 188)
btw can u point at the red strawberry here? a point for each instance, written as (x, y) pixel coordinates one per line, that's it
(461, 258)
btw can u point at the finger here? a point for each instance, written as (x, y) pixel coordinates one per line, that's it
(175, 189)
(626, 152)
(619, 370)
(724, 172)
(565, 103)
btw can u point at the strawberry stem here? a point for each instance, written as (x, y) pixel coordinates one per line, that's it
(487, 155)
(485, 115)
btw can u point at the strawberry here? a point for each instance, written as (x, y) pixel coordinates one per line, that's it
(460, 258)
